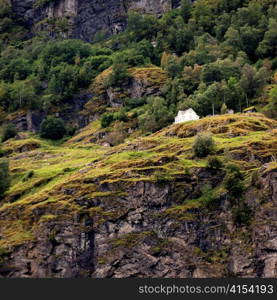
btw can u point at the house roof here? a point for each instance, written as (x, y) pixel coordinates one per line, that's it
(184, 111)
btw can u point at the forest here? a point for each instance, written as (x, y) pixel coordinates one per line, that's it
(217, 55)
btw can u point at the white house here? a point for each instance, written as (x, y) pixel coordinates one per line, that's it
(186, 115)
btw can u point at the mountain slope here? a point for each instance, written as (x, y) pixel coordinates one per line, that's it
(95, 181)
(84, 19)
(144, 208)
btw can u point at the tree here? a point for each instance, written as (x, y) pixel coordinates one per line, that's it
(247, 81)
(203, 145)
(14, 68)
(235, 95)
(234, 183)
(64, 80)
(186, 8)
(224, 109)
(173, 67)
(214, 163)
(179, 37)
(204, 15)
(271, 108)
(147, 51)
(4, 95)
(209, 99)
(191, 78)
(211, 72)
(141, 26)
(268, 47)
(252, 80)
(5, 8)
(232, 38)
(156, 115)
(52, 128)
(4, 176)
(106, 120)
(9, 131)
(250, 38)
(65, 51)
(120, 74)
(22, 94)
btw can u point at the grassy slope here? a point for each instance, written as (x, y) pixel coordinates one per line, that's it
(248, 140)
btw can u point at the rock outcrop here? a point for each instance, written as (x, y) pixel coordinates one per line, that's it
(135, 235)
(143, 82)
(87, 17)
(138, 211)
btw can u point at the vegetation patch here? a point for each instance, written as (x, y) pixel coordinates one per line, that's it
(130, 240)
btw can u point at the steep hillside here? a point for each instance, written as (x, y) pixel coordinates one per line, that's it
(84, 18)
(148, 207)
(96, 179)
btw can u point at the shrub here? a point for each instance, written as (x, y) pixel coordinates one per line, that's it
(203, 145)
(214, 163)
(119, 75)
(256, 179)
(28, 175)
(9, 132)
(208, 198)
(106, 120)
(233, 182)
(187, 171)
(224, 109)
(155, 115)
(71, 130)
(131, 103)
(242, 214)
(4, 176)
(121, 116)
(162, 176)
(52, 128)
(41, 3)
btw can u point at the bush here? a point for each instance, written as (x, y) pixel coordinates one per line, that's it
(4, 176)
(121, 116)
(70, 130)
(28, 175)
(233, 182)
(214, 163)
(162, 176)
(224, 109)
(155, 115)
(203, 145)
(52, 128)
(9, 132)
(242, 214)
(106, 120)
(208, 198)
(131, 103)
(119, 76)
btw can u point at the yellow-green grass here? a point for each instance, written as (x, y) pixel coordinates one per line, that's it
(83, 137)
(150, 75)
(163, 155)
(51, 165)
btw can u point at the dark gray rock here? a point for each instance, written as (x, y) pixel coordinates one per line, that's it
(138, 239)
(87, 17)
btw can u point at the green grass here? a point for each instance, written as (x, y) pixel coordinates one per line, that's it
(158, 158)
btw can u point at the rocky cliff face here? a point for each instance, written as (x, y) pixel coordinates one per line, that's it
(134, 235)
(87, 17)
(133, 212)
(144, 82)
